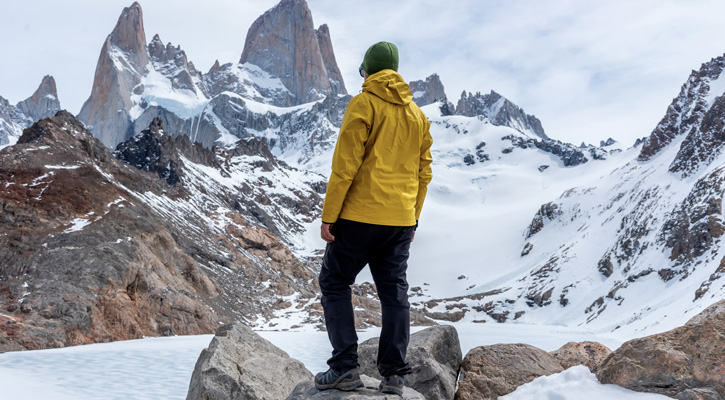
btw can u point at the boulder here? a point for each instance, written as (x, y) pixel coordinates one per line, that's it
(434, 354)
(491, 371)
(307, 391)
(685, 363)
(588, 354)
(239, 364)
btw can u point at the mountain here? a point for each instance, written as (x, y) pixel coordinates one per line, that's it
(135, 84)
(428, 91)
(42, 104)
(500, 111)
(284, 43)
(635, 245)
(176, 242)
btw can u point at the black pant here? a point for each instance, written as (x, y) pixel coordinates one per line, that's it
(386, 249)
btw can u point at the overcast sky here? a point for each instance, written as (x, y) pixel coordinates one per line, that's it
(587, 69)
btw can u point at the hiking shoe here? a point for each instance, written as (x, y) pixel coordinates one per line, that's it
(346, 379)
(392, 384)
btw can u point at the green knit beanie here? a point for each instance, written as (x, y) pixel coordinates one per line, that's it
(380, 56)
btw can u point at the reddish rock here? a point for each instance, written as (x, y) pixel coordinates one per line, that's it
(488, 372)
(588, 354)
(684, 363)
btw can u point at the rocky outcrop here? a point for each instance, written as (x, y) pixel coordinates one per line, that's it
(685, 114)
(488, 372)
(241, 365)
(14, 119)
(588, 354)
(43, 103)
(684, 363)
(434, 354)
(570, 156)
(428, 91)
(334, 76)
(283, 42)
(97, 250)
(121, 65)
(307, 391)
(500, 111)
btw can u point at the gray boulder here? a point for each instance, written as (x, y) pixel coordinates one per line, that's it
(307, 391)
(239, 364)
(488, 372)
(434, 354)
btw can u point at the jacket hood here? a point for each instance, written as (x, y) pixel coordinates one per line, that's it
(389, 86)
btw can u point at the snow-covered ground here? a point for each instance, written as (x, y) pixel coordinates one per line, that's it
(160, 368)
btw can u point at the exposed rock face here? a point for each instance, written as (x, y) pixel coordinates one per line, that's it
(434, 354)
(428, 91)
(121, 65)
(12, 123)
(97, 250)
(241, 365)
(43, 103)
(307, 391)
(283, 42)
(334, 75)
(488, 372)
(589, 354)
(500, 111)
(684, 363)
(171, 61)
(686, 113)
(570, 156)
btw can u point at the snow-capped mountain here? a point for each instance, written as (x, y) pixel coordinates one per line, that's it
(285, 62)
(634, 245)
(13, 119)
(185, 216)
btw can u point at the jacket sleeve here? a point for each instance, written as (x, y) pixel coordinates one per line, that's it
(348, 156)
(425, 172)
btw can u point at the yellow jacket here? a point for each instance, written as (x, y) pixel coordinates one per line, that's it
(382, 162)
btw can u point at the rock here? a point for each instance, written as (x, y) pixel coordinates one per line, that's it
(428, 91)
(284, 43)
(589, 354)
(500, 111)
(306, 390)
(43, 103)
(124, 57)
(491, 371)
(434, 354)
(239, 364)
(685, 363)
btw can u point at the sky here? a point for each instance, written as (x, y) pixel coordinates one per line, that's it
(589, 70)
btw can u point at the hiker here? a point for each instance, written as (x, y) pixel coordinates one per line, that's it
(380, 172)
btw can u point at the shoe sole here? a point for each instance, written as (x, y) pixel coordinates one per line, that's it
(344, 386)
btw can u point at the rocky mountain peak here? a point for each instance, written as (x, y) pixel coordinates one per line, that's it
(44, 102)
(500, 111)
(284, 43)
(428, 91)
(686, 113)
(155, 150)
(334, 75)
(129, 36)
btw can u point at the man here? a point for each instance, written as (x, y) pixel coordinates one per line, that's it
(380, 172)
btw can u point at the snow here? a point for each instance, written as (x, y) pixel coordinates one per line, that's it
(717, 89)
(77, 225)
(62, 166)
(571, 385)
(160, 368)
(159, 91)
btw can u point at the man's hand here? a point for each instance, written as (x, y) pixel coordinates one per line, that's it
(412, 237)
(326, 233)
